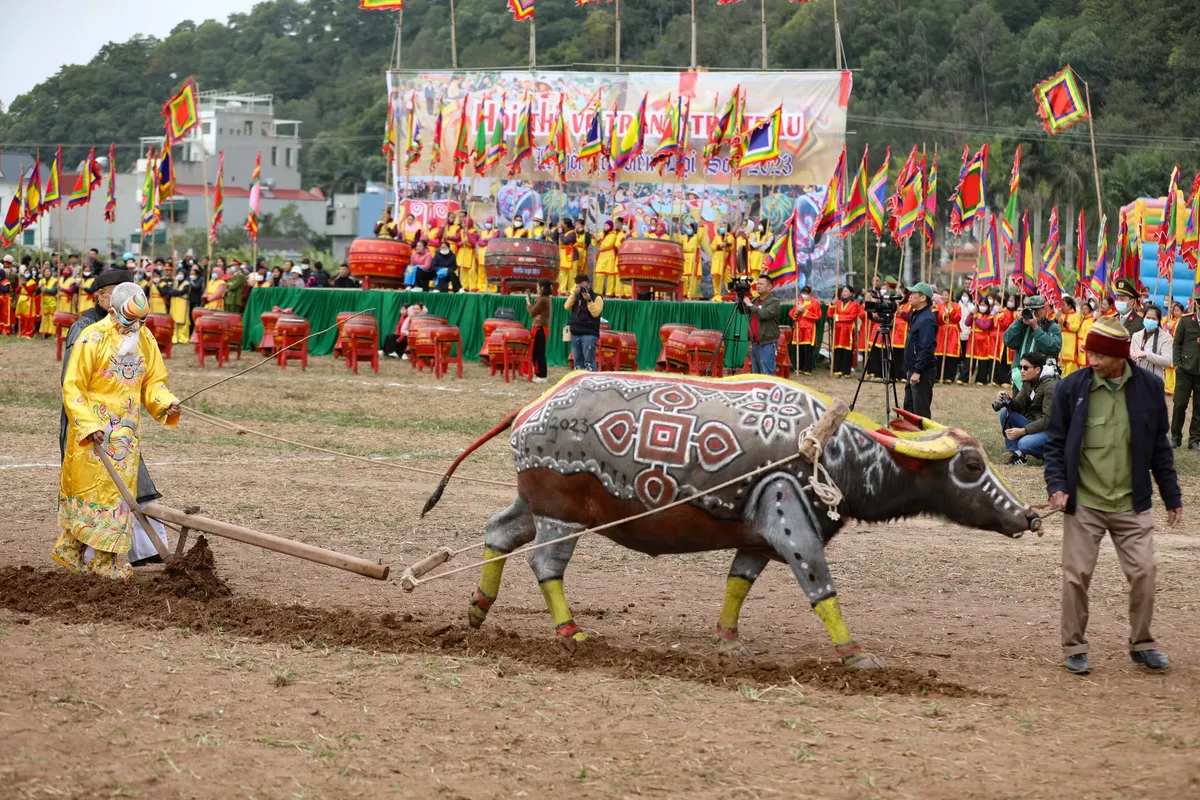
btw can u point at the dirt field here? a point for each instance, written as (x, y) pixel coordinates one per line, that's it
(268, 677)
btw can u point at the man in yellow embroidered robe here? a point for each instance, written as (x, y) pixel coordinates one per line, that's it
(115, 369)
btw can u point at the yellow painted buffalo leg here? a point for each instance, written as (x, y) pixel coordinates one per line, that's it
(504, 532)
(556, 601)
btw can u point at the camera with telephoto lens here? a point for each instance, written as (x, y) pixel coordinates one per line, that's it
(884, 308)
(1002, 403)
(740, 286)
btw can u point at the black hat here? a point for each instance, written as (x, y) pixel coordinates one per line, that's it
(111, 277)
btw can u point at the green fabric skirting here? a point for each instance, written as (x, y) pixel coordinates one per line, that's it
(468, 311)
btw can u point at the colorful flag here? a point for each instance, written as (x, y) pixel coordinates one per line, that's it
(1122, 264)
(855, 215)
(1167, 238)
(150, 211)
(389, 131)
(782, 267)
(988, 272)
(82, 193)
(1025, 267)
(835, 199)
(1009, 221)
(255, 196)
(110, 204)
(877, 196)
(497, 149)
(166, 174)
(462, 153)
(521, 9)
(181, 114)
(412, 143)
(523, 146)
(1059, 102)
(668, 143)
(681, 162)
(33, 194)
(762, 141)
(1098, 282)
(591, 147)
(1081, 259)
(908, 206)
(435, 154)
(218, 199)
(381, 5)
(53, 194)
(737, 130)
(94, 169)
(930, 217)
(1049, 281)
(550, 155)
(1189, 243)
(12, 220)
(970, 196)
(630, 143)
(720, 130)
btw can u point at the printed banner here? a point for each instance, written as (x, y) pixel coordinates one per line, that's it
(813, 119)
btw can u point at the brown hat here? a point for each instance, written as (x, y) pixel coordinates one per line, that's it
(1108, 337)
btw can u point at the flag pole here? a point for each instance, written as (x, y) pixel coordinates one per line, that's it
(866, 253)
(837, 275)
(1095, 162)
(171, 218)
(533, 42)
(693, 62)
(60, 225)
(453, 38)
(617, 60)
(763, 5)
(399, 43)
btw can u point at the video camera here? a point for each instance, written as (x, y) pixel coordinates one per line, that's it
(884, 308)
(740, 286)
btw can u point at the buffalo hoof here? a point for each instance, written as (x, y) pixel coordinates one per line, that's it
(571, 643)
(732, 647)
(864, 661)
(476, 616)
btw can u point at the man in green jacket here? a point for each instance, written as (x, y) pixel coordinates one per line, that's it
(235, 284)
(1032, 332)
(1186, 359)
(764, 311)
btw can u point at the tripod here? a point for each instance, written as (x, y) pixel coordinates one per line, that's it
(882, 339)
(737, 336)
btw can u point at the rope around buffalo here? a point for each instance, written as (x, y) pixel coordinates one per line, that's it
(242, 430)
(824, 488)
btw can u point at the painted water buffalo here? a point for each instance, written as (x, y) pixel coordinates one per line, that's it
(600, 447)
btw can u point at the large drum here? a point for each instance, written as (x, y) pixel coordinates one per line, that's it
(664, 334)
(517, 265)
(675, 351)
(652, 265)
(702, 346)
(163, 328)
(628, 353)
(490, 324)
(379, 262)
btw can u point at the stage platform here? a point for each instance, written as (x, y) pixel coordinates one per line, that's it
(468, 311)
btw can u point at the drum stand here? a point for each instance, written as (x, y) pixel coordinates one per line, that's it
(882, 338)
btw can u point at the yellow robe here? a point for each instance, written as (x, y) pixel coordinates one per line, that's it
(181, 314)
(485, 236)
(607, 283)
(210, 290)
(468, 272)
(722, 252)
(158, 303)
(512, 232)
(754, 260)
(105, 391)
(66, 298)
(49, 287)
(1070, 325)
(86, 302)
(693, 268)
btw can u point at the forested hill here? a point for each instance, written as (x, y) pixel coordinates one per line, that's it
(927, 71)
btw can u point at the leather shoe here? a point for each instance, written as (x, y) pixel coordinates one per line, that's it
(1077, 664)
(1150, 659)
(1176, 442)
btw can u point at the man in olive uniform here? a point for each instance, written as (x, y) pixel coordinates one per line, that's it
(1186, 358)
(235, 283)
(1127, 304)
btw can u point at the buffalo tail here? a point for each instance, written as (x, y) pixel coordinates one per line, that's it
(501, 426)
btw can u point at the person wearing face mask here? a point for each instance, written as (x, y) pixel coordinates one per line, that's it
(694, 245)
(722, 248)
(607, 282)
(445, 268)
(981, 348)
(488, 233)
(517, 229)
(1150, 348)
(1185, 356)
(1006, 316)
(967, 307)
(1126, 304)
(1071, 322)
(566, 254)
(844, 313)
(949, 315)
(7, 317)
(114, 369)
(179, 306)
(1170, 324)
(806, 313)
(1032, 332)
(87, 289)
(48, 291)
(27, 309)
(1087, 310)
(760, 244)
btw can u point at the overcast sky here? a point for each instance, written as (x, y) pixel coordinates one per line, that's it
(44, 35)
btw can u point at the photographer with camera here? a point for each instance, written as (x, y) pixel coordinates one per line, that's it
(920, 361)
(1024, 418)
(584, 307)
(1032, 333)
(764, 311)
